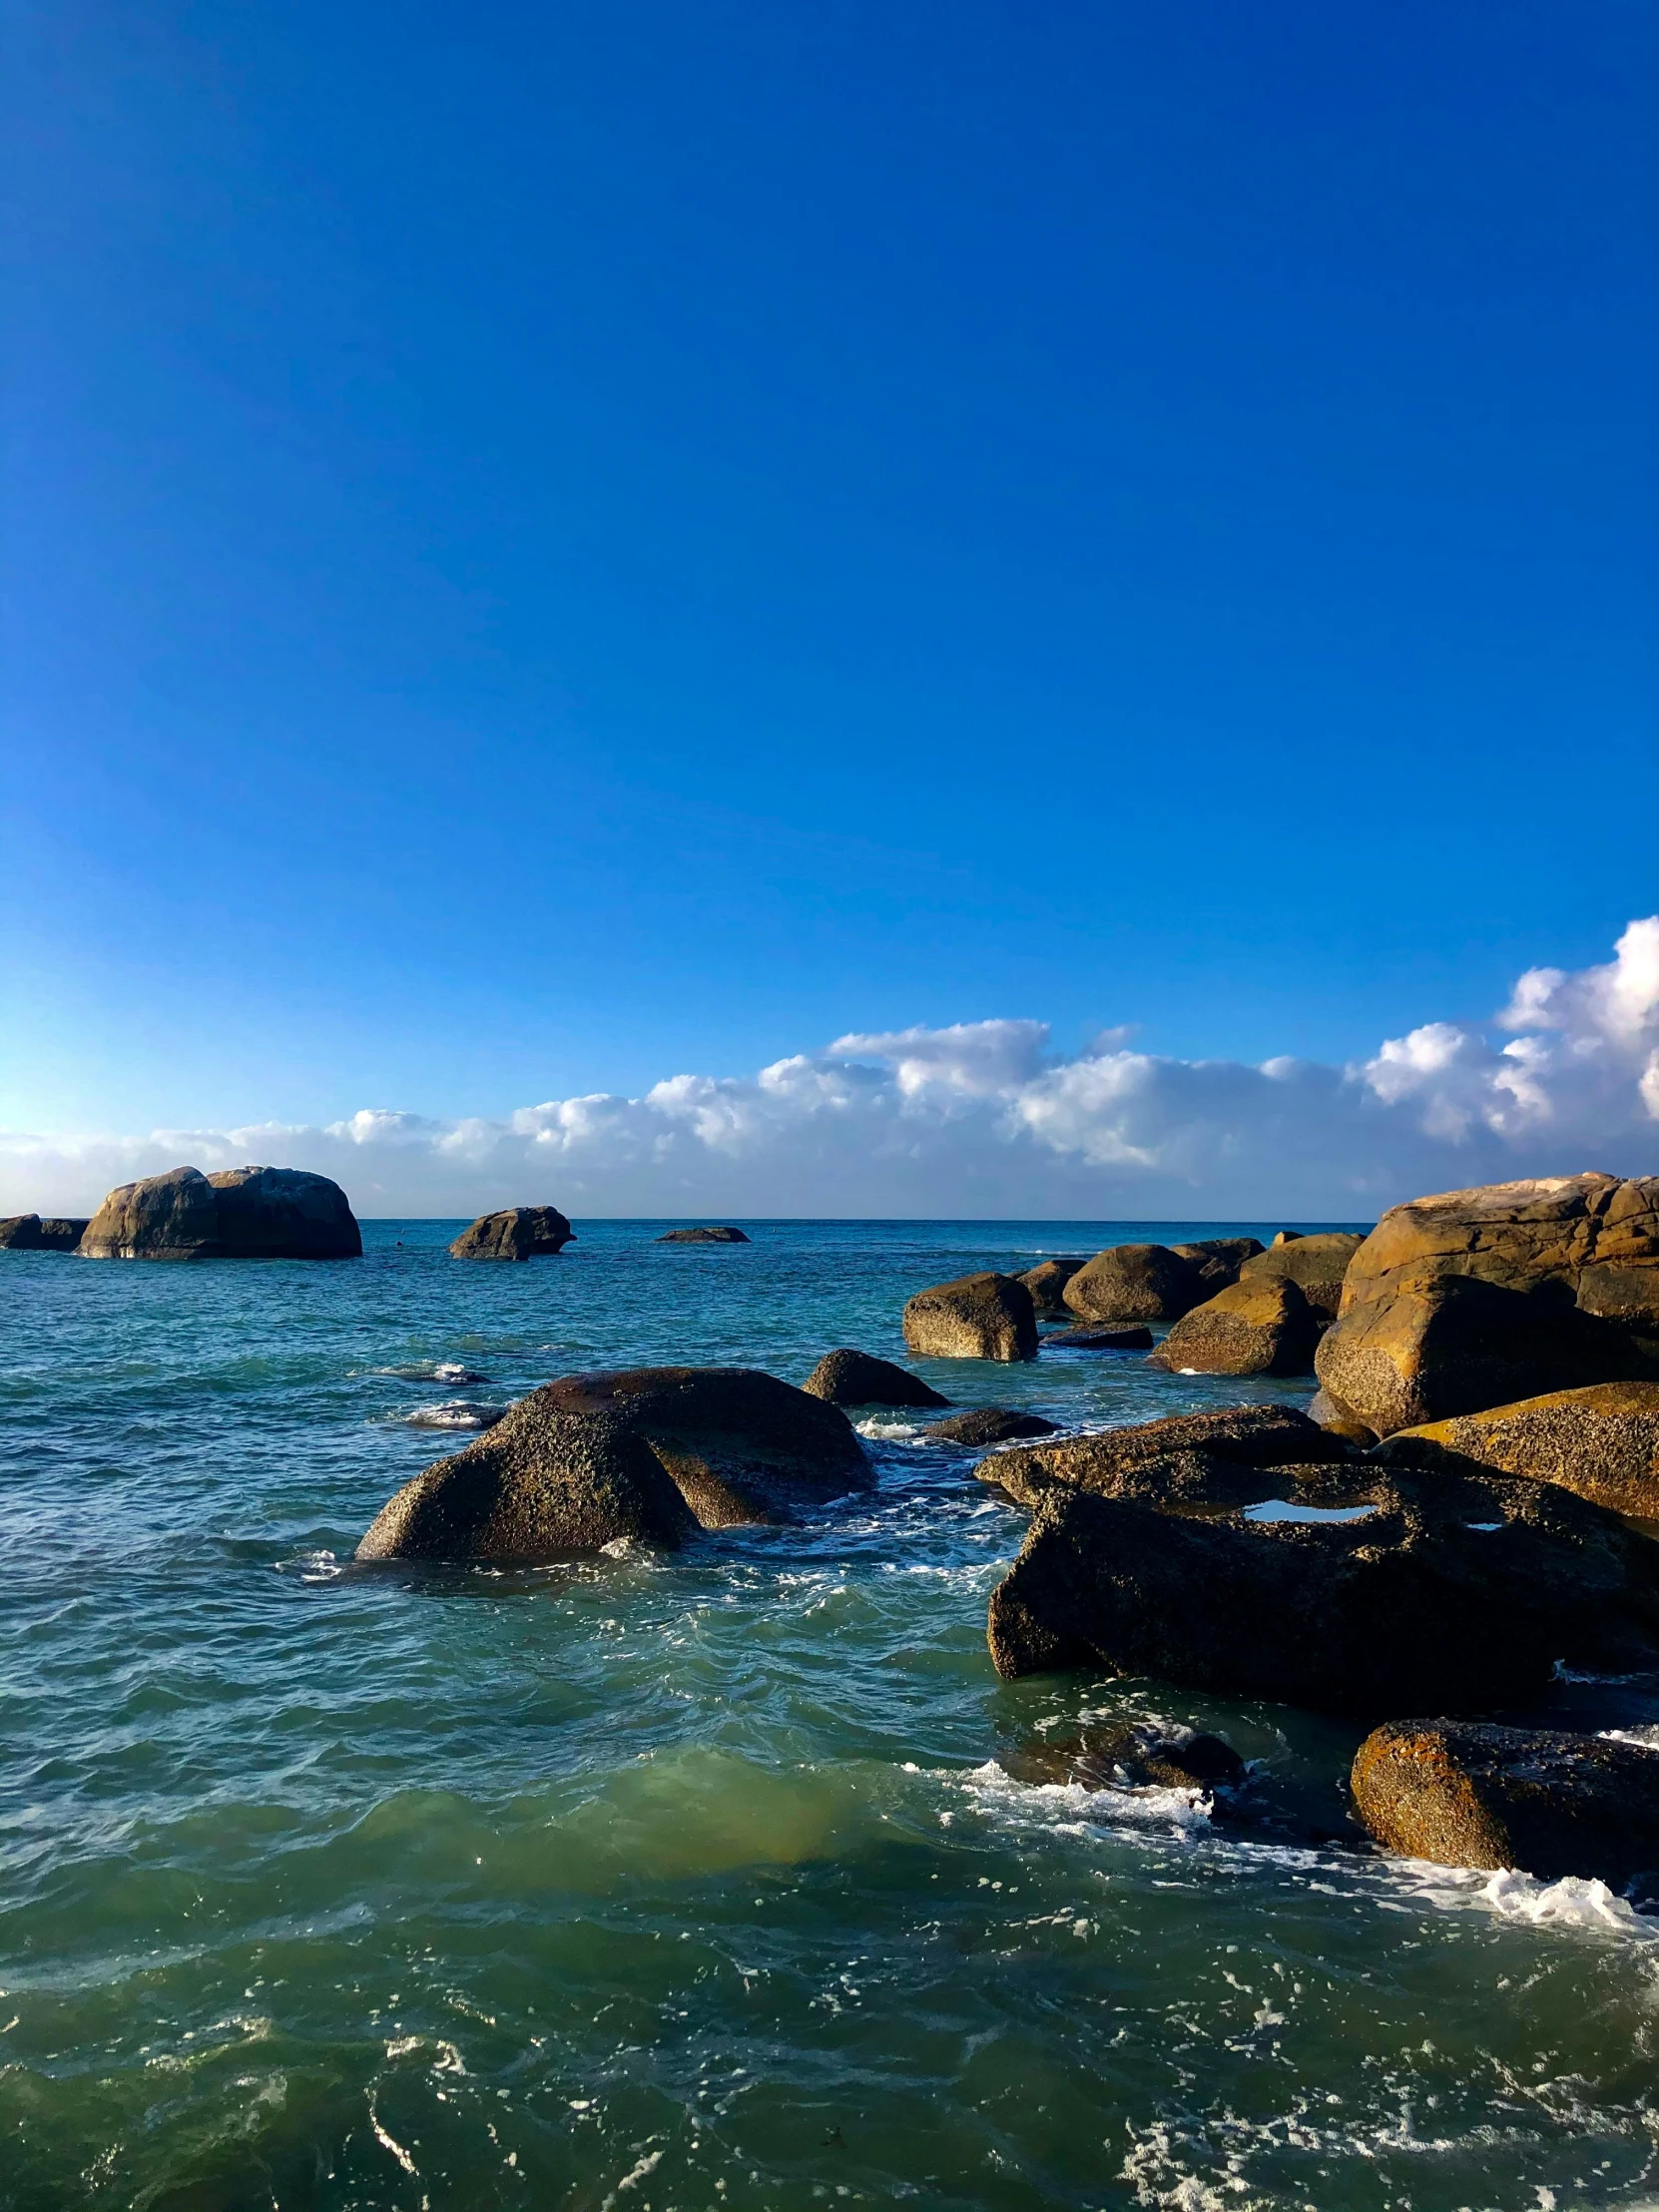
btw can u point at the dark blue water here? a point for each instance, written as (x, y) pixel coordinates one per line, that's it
(688, 1881)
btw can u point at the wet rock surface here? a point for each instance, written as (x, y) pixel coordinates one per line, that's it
(977, 1317)
(1252, 1436)
(849, 1378)
(1085, 1339)
(1472, 1793)
(989, 1424)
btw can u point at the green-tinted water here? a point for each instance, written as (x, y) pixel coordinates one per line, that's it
(686, 1882)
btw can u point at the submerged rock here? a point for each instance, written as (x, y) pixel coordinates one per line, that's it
(238, 1214)
(32, 1232)
(1083, 1339)
(977, 1316)
(1135, 1281)
(586, 1459)
(517, 1233)
(1470, 1794)
(1250, 1436)
(989, 1424)
(848, 1377)
(1129, 1755)
(1251, 1328)
(1046, 1282)
(1431, 1591)
(704, 1236)
(1601, 1441)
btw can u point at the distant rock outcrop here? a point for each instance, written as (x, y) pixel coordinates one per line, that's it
(848, 1377)
(33, 1233)
(238, 1214)
(517, 1232)
(977, 1317)
(704, 1237)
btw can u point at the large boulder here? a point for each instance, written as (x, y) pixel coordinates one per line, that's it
(848, 1377)
(1249, 1436)
(1469, 1794)
(517, 1232)
(1135, 1281)
(1437, 1592)
(704, 1237)
(1583, 1246)
(1218, 1260)
(29, 1232)
(1316, 1263)
(1439, 1346)
(238, 1214)
(1251, 1327)
(977, 1316)
(649, 1453)
(1047, 1283)
(1601, 1441)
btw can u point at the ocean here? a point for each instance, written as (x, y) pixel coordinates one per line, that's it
(695, 1882)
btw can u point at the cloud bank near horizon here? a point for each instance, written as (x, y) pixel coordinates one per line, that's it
(986, 1118)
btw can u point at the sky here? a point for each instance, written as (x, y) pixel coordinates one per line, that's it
(1030, 555)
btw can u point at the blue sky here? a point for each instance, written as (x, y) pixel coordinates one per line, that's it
(555, 546)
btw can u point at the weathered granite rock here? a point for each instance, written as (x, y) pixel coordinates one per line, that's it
(1285, 1236)
(1449, 1593)
(1252, 1436)
(237, 1214)
(1439, 1346)
(1316, 1265)
(989, 1424)
(1085, 1339)
(704, 1236)
(1469, 1794)
(848, 1377)
(977, 1316)
(1046, 1282)
(1137, 1282)
(517, 1233)
(1218, 1260)
(1251, 1327)
(639, 1451)
(1602, 1443)
(29, 1232)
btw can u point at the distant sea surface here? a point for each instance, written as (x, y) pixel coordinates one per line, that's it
(688, 1882)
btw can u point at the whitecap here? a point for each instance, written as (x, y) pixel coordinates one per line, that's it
(456, 1413)
(886, 1431)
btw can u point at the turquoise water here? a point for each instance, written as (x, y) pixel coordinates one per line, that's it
(677, 1883)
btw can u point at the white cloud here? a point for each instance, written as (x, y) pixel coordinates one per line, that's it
(987, 1118)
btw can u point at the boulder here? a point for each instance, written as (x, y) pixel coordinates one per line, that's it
(1602, 1443)
(29, 1232)
(1137, 1282)
(1322, 1409)
(1251, 1327)
(1285, 1236)
(238, 1214)
(1218, 1260)
(1047, 1283)
(1316, 1265)
(1470, 1794)
(1441, 1592)
(1129, 1755)
(977, 1316)
(989, 1424)
(848, 1377)
(1084, 1339)
(1438, 1345)
(704, 1236)
(647, 1453)
(1252, 1436)
(517, 1232)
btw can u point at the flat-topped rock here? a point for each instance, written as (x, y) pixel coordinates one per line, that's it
(37, 1233)
(704, 1237)
(1135, 1281)
(1470, 1794)
(647, 1453)
(848, 1377)
(1428, 1592)
(517, 1233)
(977, 1316)
(237, 1214)
(1252, 1435)
(1602, 1443)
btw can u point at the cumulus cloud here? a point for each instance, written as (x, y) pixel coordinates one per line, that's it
(987, 1118)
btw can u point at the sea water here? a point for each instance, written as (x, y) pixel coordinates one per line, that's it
(685, 1882)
